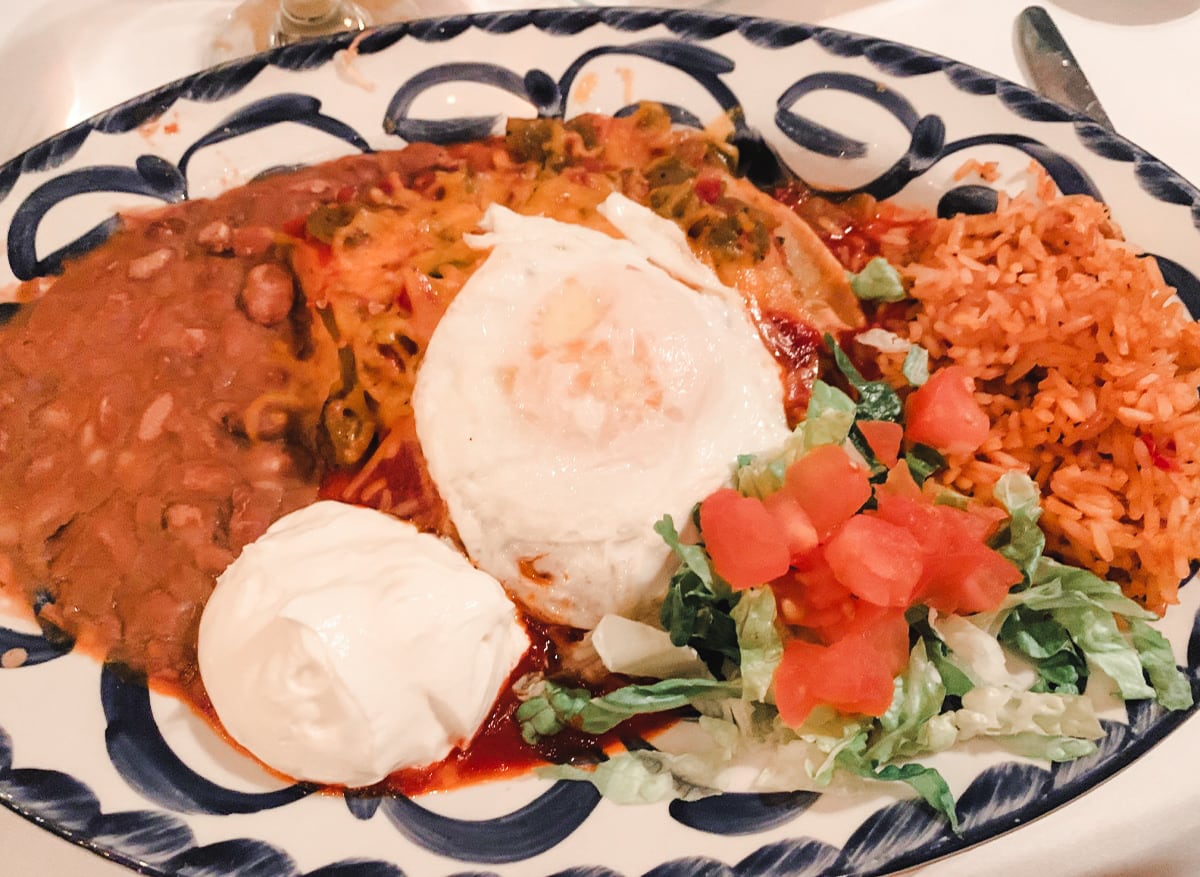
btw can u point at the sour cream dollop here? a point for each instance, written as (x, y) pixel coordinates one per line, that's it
(344, 645)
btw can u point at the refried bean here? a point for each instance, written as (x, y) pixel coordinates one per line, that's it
(129, 477)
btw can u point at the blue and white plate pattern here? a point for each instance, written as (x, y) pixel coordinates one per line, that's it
(135, 777)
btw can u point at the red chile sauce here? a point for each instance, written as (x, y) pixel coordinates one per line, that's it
(498, 751)
(854, 229)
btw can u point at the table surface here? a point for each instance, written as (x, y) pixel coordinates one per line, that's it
(71, 60)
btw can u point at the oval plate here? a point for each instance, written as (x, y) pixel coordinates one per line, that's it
(135, 777)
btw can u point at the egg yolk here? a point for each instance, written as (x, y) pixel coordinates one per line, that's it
(594, 362)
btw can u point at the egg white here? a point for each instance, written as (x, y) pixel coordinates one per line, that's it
(579, 387)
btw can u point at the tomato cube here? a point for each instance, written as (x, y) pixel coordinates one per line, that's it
(884, 437)
(944, 414)
(797, 527)
(876, 560)
(829, 486)
(748, 548)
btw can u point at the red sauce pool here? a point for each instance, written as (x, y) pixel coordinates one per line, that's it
(498, 751)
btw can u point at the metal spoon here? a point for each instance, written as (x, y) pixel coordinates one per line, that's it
(1050, 65)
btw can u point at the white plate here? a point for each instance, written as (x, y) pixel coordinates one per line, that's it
(136, 777)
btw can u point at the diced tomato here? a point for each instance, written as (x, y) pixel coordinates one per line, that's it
(793, 601)
(944, 414)
(975, 579)
(812, 596)
(884, 627)
(849, 675)
(900, 482)
(797, 680)
(821, 585)
(829, 486)
(961, 573)
(976, 522)
(876, 560)
(884, 437)
(914, 513)
(747, 546)
(797, 527)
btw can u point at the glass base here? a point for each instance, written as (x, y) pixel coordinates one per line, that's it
(257, 25)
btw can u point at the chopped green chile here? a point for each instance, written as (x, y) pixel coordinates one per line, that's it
(323, 223)
(350, 427)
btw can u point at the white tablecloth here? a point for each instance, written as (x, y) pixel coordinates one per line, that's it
(61, 61)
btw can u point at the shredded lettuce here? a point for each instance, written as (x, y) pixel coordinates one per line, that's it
(1037, 636)
(829, 416)
(925, 781)
(877, 281)
(1086, 606)
(883, 340)
(1171, 686)
(976, 652)
(637, 649)
(876, 400)
(1022, 541)
(923, 461)
(759, 642)
(551, 707)
(1068, 619)
(916, 365)
(904, 729)
(636, 777)
(827, 421)
(999, 711)
(695, 611)
(1047, 748)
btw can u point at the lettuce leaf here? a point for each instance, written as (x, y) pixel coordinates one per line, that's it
(925, 781)
(759, 642)
(976, 651)
(827, 421)
(1047, 748)
(955, 679)
(876, 400)
(1067, 618)
(923, 461)
(550, 707)
(1048, 646)
(637, 649)
(920, 694)
(695, 611)
(916, 366)
(998, 711)
(829, 416)
(1086, 606)
(1171, 686)
(1022, 540)
(877, 281)
(635, 777)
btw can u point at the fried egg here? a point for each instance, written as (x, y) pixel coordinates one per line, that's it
(579, 387)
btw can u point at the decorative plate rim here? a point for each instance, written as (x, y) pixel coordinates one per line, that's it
(1147, 726)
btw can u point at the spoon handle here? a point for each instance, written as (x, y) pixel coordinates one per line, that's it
(1051, 66)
